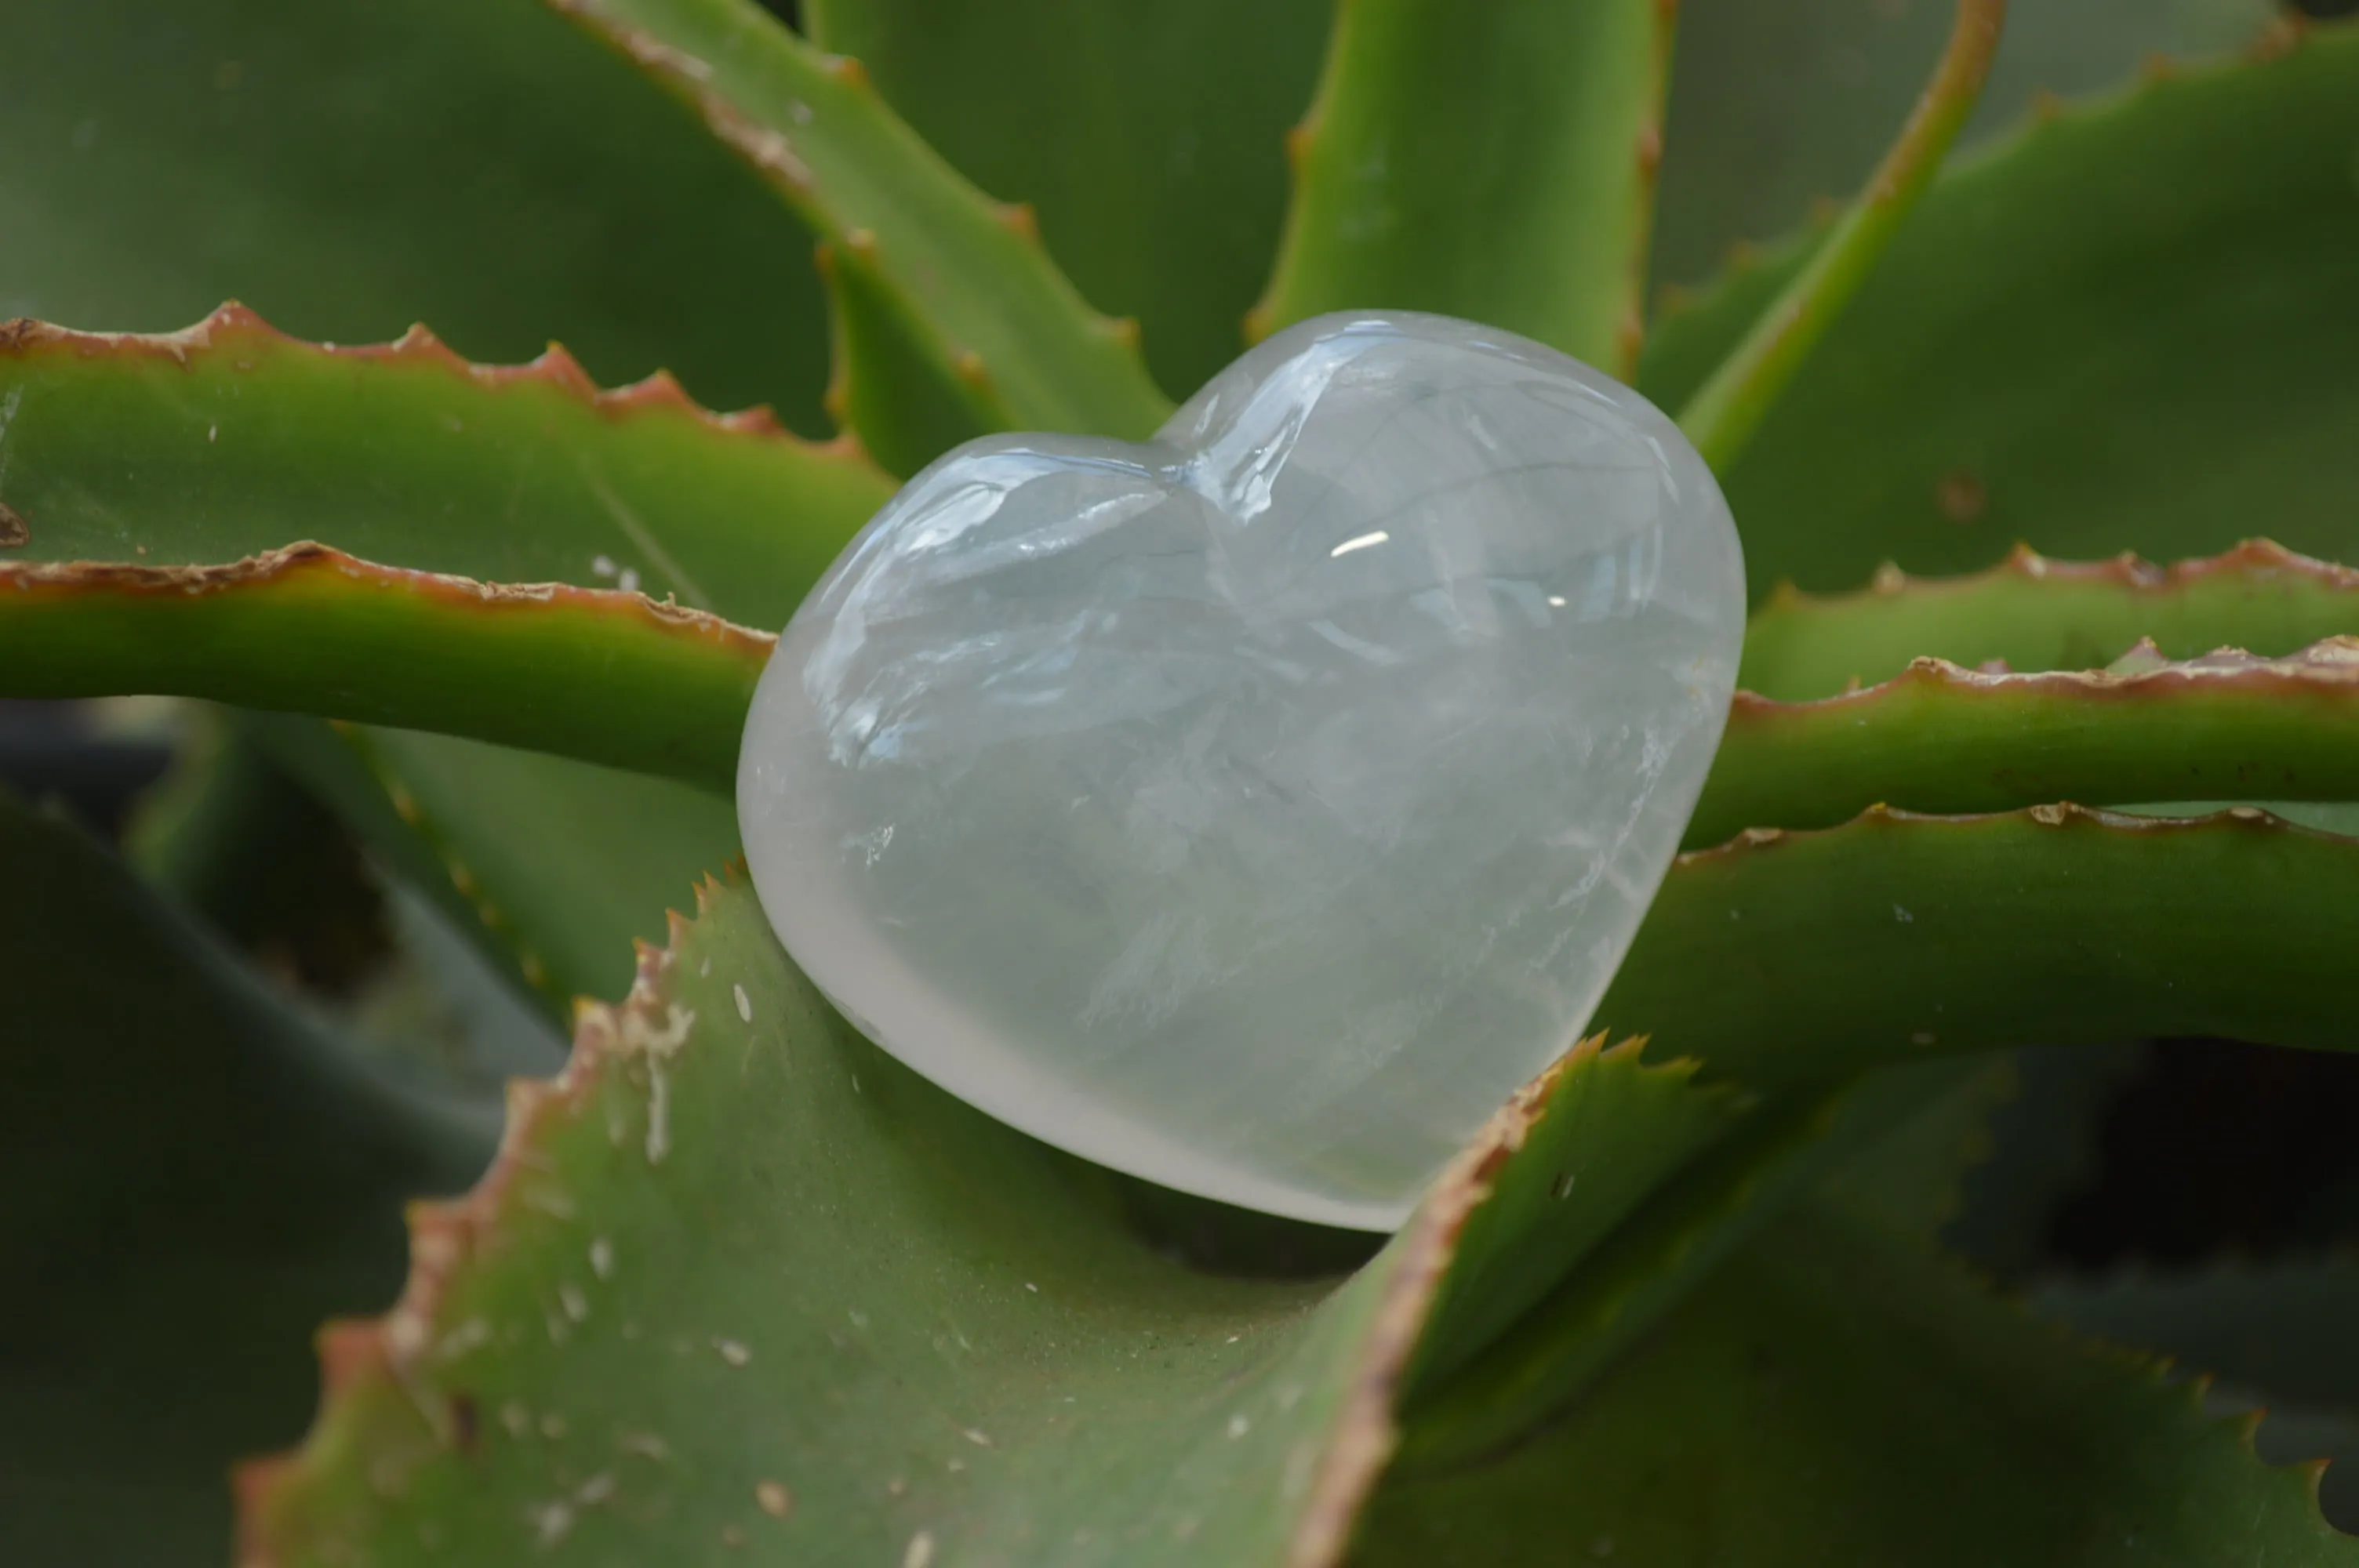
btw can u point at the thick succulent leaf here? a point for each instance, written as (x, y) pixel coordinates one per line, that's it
(885, 387)
(1779, 103)
(1504, 172)
(1149, 138)
(352, 169)
(1722, 414)
(2159, 372)
(239, 439)
(566, 862)
(967, 282)
(1521, 1380)
(198, 1175)
(2032, 614)
(229, 440)
(1831, 1397)
(663, 1326)
(1938, 737)
(2043, 1147)
(606, 677)
(2282, 1325)
(1781, 957)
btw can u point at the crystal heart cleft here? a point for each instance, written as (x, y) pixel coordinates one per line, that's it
(1253, 809)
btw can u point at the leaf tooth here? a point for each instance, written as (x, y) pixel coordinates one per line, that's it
(1020, 219)
(233, 326)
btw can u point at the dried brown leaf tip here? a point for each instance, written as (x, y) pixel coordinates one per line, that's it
(15, 531)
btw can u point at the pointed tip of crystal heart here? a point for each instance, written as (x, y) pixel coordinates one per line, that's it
(1255, 808)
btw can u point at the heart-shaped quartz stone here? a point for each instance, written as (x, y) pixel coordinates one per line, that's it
(1253, 809)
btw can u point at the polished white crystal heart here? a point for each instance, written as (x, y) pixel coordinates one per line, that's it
(1253, 809)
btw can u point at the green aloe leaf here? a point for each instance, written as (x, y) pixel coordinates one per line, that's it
(1721, 415)
(2032, 614)
(1504, 172)
(1831, 1398)
(1779, 103)
(966, 281)
(1150, 140)
(349, 169)
(201, 1173)
(223, 441)
(605, 677)
(207, 448)
(2281, 1325)
(1938, 737)
(1896, 938)
(567, 864)
(2274, 1333)
(2160, 371)
(663, 1326)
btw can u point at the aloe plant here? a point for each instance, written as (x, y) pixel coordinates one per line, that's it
(2016, 439)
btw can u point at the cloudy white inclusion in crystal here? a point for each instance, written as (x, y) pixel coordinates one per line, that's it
(1253, 809)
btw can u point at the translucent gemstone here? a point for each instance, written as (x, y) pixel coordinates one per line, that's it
(1253, 809)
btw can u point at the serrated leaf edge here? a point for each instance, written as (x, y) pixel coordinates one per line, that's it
(446, 1236)
(233, 325)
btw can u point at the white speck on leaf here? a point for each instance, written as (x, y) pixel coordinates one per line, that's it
(979, 1439)
(736, 1355)
(602, 1258)
(659, 1115)
(576, 1304)
(603, 564)
(745, 1004)
(922, 1550)
(772, 1499)
(551, 1522)
(1239, 1426)
(628, 582)
(1901, 914)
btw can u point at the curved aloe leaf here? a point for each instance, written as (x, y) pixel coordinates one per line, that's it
(1504, 172)
(1151, 144)
(576, 1362)
(1937, 738)
(2032, 614)
(965, 280)
(1721, 416)
(351, 170)
(208, 446)
(229, 440)
(565, 862)
(605, 677)
(1831, 1398)
(1779, 103)
(2281, 1325)
(1895, 937)
(2158, 372)
(201, 1173)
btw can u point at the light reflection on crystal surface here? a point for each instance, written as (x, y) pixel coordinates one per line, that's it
(1253, 809)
